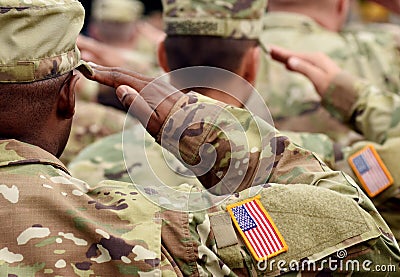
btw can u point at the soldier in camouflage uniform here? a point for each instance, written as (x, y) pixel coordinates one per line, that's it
(117, 40)
(115, 24)
(119, 23)
(208, 112)
(314, 26)
(56, 225)
(366, 108)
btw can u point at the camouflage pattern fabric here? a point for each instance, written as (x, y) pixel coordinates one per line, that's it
(320, 144)
(290, 166)
(232, 19)
(104, 159)
(79, 234)
(52, 57)
(375, 114)
(291, 97)
(91, 122)
(61, 227)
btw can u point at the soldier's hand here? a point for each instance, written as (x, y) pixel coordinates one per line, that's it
(148, 100)
(100, 53)
(318, 67)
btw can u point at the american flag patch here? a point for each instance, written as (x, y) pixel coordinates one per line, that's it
(370, 171)
(257, 229)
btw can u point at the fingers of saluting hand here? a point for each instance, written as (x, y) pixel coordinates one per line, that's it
(151, 106)
(283, 55)
(139, 108)
(317, 76)
(279, 54)
(122, 71)
(115, 77)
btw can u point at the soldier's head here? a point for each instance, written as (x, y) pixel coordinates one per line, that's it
(330, 14)
(221, 34)
(37, 58)
(113, 21)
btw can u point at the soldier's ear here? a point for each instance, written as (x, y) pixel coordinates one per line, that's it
(251, 62)
(66, 99)
(162, 56)
(342, 10)
(341, 6)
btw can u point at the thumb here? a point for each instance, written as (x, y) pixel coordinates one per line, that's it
(126, 95)
(138, 107)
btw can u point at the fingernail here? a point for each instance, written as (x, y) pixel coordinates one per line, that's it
(92, 64)
(121, 91)
(124, 91)
(293, 62)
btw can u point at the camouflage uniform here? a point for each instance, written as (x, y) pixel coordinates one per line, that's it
(104, 229)
(375, 114)
(61, 227)
(56, 225)
(104, 159)
(291, 97)
(291, 164)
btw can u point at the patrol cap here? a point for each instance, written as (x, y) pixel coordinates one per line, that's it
(38, 39)
(117, 10)
(239, 19)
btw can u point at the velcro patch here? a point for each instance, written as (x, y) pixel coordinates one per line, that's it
(257, 229)
(370, 171)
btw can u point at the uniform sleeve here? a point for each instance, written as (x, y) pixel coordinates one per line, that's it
(246, 151)
(243, 150)
(321, 144)
(373, 112)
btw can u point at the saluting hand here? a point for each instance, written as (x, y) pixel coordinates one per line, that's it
(318, 67)
(148, 100)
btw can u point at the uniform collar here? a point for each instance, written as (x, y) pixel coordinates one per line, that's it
(290, 20)
(14, 152)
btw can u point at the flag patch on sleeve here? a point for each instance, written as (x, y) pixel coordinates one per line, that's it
(257, 229)
(370, 171)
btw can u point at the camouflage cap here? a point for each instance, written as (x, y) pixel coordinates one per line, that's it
(237, 19)
(117, 10)
(38, 39)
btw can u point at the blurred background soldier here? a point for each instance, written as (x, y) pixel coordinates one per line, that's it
(314, 26)
(371, 111)
(118, 25)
